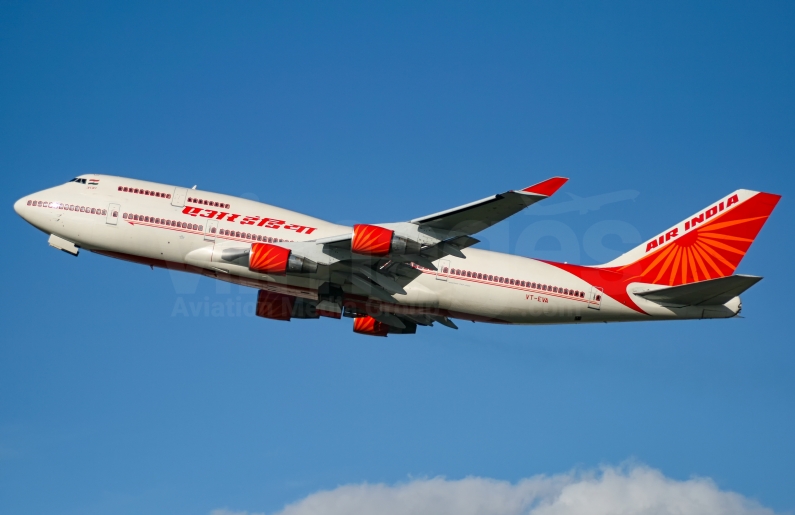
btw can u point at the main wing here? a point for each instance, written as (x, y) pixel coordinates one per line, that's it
(451, 227)
(378, 261)
(479, 215)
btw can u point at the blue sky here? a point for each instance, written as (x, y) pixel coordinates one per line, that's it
(113, 401)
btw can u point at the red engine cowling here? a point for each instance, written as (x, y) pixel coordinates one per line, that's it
(369, 326)
(274, 305)
(372, 240)
(268, 259)
(275, 260)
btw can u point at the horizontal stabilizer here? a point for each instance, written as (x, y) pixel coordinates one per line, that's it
(712, 292)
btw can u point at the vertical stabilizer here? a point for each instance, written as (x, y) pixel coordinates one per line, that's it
(707, 245)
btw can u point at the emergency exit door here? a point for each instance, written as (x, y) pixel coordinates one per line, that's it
(211, 230)
(595, 298)
(113, 214)
(442, 270)
(178, 199)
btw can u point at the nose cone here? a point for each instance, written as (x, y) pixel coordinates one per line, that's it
(19, 206)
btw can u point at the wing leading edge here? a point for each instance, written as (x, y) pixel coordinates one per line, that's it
(482, 214)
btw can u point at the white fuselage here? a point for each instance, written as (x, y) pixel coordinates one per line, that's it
(172, 228)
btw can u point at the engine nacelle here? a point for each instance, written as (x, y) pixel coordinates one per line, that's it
(372, 327)
(278, 306)
(369, 326)
(270, 259)
(372, 240)
(274, 305)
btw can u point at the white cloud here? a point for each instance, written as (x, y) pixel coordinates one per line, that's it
(635, 490)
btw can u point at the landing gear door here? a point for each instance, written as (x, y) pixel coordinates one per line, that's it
(595, 297)
(178, 199)
(442, 270)
(211, 231)
(113, 214)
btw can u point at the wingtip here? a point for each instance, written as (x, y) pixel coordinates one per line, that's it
(547, 187)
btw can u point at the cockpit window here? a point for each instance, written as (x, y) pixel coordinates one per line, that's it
(78, 180)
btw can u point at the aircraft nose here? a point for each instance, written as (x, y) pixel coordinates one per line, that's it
(19, 206)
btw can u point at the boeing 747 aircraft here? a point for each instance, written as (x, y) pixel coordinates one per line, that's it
(391, 277)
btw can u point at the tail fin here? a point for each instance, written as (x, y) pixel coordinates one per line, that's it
(708, 245)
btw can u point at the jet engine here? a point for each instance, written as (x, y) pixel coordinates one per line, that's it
(372, 240)
(278, 306)
(270, 259)
(372, 327)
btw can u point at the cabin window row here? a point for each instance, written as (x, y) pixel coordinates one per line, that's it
(250, 236)
(67, 207)
(162, 221)
(207, 202)
(515, 282)
(141, 191)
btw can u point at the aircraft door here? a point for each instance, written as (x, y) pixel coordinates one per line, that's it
(211, 231)
(595, 297)
(113, 214)
(178, 199)
(443, 270)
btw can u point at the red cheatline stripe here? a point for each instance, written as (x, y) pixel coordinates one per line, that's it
(510, 286)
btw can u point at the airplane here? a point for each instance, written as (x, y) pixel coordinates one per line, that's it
(392, 277)
(583, 205)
